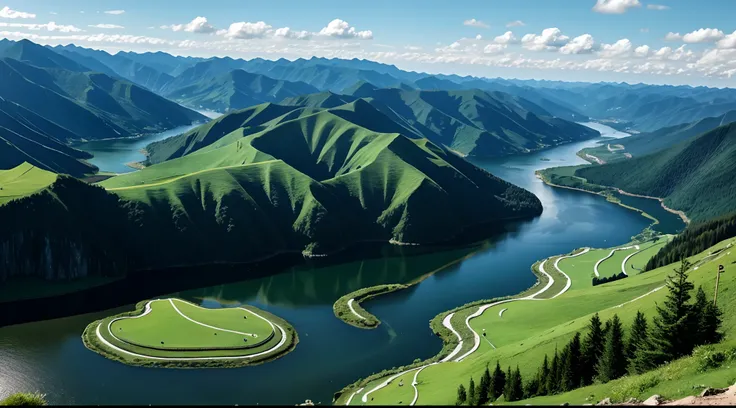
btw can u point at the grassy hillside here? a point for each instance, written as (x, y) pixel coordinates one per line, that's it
(236, 89)
(695, 176)
(23, 180)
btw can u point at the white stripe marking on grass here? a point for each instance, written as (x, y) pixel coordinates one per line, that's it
(350, 305)
(447, 322)
(207, 325)
(500, 314)
(353, 395)
(595, 268)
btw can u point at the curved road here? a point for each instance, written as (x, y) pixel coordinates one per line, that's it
(350, 305)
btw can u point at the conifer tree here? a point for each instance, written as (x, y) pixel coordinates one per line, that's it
(462, 396)
(638, 336)
(514, 386)
(570, 375)
(509, 384)
(543, 374)
(669, 338)
(472, 398)
(498, 382)
(592, 349)
(612, 363)
(711, 324)
(484, 388)
(553, 379)
(697, 318)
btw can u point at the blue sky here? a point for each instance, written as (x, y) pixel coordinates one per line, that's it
(662, 41)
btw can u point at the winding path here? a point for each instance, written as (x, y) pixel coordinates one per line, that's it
(600, 261)
(207, 325)
(350, 305)
(148, 310)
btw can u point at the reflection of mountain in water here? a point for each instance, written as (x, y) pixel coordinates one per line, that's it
(322, 281)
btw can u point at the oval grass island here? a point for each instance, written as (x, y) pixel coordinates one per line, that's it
(348, 308)
(178, 334)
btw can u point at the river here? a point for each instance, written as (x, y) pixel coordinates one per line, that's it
(49, 356)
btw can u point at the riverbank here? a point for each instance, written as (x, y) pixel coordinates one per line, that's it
(349, 310)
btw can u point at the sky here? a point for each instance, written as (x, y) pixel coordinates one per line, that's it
(660, 41)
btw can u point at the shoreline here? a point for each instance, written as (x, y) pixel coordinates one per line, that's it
(679, 213)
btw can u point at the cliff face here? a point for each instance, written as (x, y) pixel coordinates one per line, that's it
(68, 231)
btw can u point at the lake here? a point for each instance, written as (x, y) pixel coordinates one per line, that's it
(49, 356)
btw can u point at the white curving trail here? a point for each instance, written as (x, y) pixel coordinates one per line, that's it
(350, 305)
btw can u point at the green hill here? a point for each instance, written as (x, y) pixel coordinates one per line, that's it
(695, 176)
(471, 122)
(236, 89)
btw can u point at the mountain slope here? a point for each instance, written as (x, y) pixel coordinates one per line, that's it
(236, 89)
(695, 176)
(471, 122)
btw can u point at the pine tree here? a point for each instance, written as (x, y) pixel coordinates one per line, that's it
(697, 318)
(532, 386)
(711, 324)
(472, 398)
(514, 387)
(592, 349)
(570, 377)
(553, 379)
(484, 388)
(669, 338)
(612, 363)
(543, 375)
(461, 395)
(498, 382)
(509, 384)
(638, 336)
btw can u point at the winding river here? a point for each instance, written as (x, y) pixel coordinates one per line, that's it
(49, 356)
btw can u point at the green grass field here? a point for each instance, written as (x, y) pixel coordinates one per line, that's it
(528, 330)
(176, 333)
(612, 266)
(23, 180)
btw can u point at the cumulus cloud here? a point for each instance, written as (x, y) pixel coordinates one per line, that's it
(642, 51)
(475, 23)
(494, 48)
(728, 42)
(341, 29)
(7, 12)
(620, 48)
(50, 26)
(198, 25)
(107, 26)
(658, 7)
(551, 39)
(615, 6)
(677, 54)
(506, 38)
(673, 36)
(245, 30)
(115, 12)
(703, 35)
(516, 23)
(584, 44)
(286, 32)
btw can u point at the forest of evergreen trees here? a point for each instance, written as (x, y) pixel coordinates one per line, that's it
(694, 240)
(600, 281)
(607, 352)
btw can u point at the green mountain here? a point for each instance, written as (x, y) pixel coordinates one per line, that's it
(695, 176)
(236, 89)
(266, 180)
(471, 122)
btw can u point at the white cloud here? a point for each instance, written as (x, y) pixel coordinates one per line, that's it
(551, 39)
(678, 54)
(198, 25)
(659, 7)
(728, 42)
(615, 6)
(475, 23)
(673, 36)
(287, 32)
(494, 48)
(107, 26)
(620, 48)
(412, 48)
(642, 51)
(245, 30)
(341, 29)
(7, 12)
(516, 23)
(53, 13)
(703, 35)
(50, 26)
(506, 38)
(478, 37)
(584, 44)
(115, 12)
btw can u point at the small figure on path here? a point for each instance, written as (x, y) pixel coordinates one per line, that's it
(401, 383)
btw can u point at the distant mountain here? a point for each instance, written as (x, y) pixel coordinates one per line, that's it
(471, 122)
(695, 176)
(117, 65)
(236, 90)
(89, 105)
(161, 61)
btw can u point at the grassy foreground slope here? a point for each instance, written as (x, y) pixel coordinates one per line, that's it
(527, 330)
(22, 181)
(695, 176)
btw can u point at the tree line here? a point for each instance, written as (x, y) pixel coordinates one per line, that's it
(694, 240)
(600, 281)
(606, 352)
